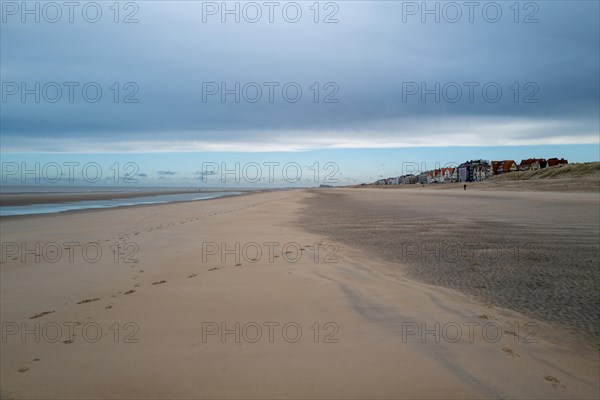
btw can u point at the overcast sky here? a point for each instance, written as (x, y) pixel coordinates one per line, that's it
(526, 77)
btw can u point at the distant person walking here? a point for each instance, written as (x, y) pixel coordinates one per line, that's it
(465, 187)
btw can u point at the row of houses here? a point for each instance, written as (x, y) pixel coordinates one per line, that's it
(531, 164)
(472, 171)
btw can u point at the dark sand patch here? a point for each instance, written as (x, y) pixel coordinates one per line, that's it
(41, 314)
(88, 300)
(536, 253)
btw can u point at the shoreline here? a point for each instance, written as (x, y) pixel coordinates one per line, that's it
(99, 209)
(32, 198)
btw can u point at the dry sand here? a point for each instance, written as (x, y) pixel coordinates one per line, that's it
(367, 313)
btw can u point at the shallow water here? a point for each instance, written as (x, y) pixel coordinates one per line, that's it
(112, 203)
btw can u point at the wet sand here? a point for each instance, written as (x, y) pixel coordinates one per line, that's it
(26, 199)
(163, 319)
(536, 253)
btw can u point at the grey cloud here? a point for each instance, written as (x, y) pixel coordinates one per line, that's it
(370, 55)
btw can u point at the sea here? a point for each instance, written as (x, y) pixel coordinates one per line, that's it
(163, 195)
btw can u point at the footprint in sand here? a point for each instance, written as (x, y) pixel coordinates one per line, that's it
(160, 282)
(510, 352)
(108, 307)
(276, 256)
(210, 269)
(23, 369)
(41, 314)
(67, 341)
(238, 265)
(129, 291)
(489, 317)
(136, 285)
(88, 300)
(192, 276)
(555, 382)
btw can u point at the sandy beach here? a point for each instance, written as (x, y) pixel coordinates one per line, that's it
(303, 294)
